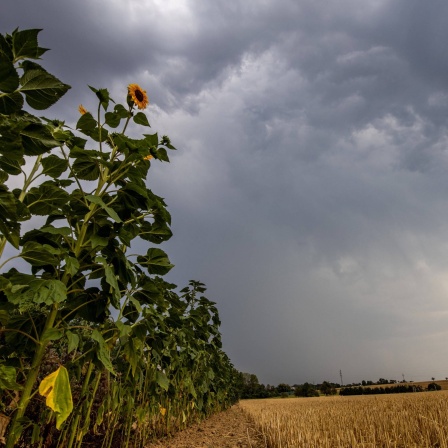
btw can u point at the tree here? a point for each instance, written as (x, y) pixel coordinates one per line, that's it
(283, 388)
(306, 390)
(327, 388)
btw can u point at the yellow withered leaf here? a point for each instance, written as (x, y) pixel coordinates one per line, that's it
(56, 388)
(163, 411)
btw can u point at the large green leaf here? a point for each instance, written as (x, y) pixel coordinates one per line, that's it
(152, 139)
(156, 232)
(54, 166)
(141, 118)
(156, 261)
(86, 122)
(26, 289)
(11, 165)
(38, 255)
(9, 78)
(11, 103)
(41, 89)
(37, 139)
(46, 199)
(24, 44)
(86, 168)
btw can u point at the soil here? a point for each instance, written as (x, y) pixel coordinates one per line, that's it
(228, 429)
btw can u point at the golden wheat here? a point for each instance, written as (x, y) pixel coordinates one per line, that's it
(415, 420)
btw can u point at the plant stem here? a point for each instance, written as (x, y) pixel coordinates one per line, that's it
(75, 423)
(16, 429)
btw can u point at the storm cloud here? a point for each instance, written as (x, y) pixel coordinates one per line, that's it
(309, 190)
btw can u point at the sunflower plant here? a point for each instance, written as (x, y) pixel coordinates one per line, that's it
(87, 325)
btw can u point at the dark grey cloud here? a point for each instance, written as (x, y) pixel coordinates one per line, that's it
(309, 189)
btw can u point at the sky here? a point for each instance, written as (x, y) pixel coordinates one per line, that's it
(309, 191)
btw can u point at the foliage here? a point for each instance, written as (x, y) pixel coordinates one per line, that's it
(434, 386)
(398, 389)
(306, 390)
(249, 386)
(327, 388)
(141, 358)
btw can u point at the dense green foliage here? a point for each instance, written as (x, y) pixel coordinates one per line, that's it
(138, 358)
(398, 389)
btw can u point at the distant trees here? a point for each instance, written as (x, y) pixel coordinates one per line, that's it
(434, 386)
(327, 388)
(283, 388)
(402, 388)
(306, 390)
(250, 387)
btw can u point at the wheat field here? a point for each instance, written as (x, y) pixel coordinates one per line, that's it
(417, 420)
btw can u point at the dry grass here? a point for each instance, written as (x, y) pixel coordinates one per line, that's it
(401, 420)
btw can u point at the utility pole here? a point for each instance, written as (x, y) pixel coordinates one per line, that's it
(340, 374)
(403, 377)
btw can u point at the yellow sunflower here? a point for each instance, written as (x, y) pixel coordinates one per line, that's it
(82, 110)
(138, 95)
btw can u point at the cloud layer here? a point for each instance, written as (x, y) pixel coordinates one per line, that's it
(309, 191)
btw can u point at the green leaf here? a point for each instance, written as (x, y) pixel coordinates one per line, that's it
(125, 330)
(37, 139)
(103, 96)
(51, 334)
(24, 44)
(37, 255)
(141, 118)
(41, 89)
(112, 119)
(66, 231)
(86, 168)
(11, 103)
(28, 289)
(152, 139)
(162, 380)
(4, 317)
(73, 341)
(156, 232)
(54, 166)
(47, 199)
(8, 378)
(71, 265)
(111, 278)
(9, 79)
(56, 388)
(5, 47)
(102, 352)
(3, 176)
(86, 122)
(156, 261)
(98, 201)
(11, 165)
(161, 154)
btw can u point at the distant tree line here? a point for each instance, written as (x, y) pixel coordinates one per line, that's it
(399, 389)
(249, 387)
